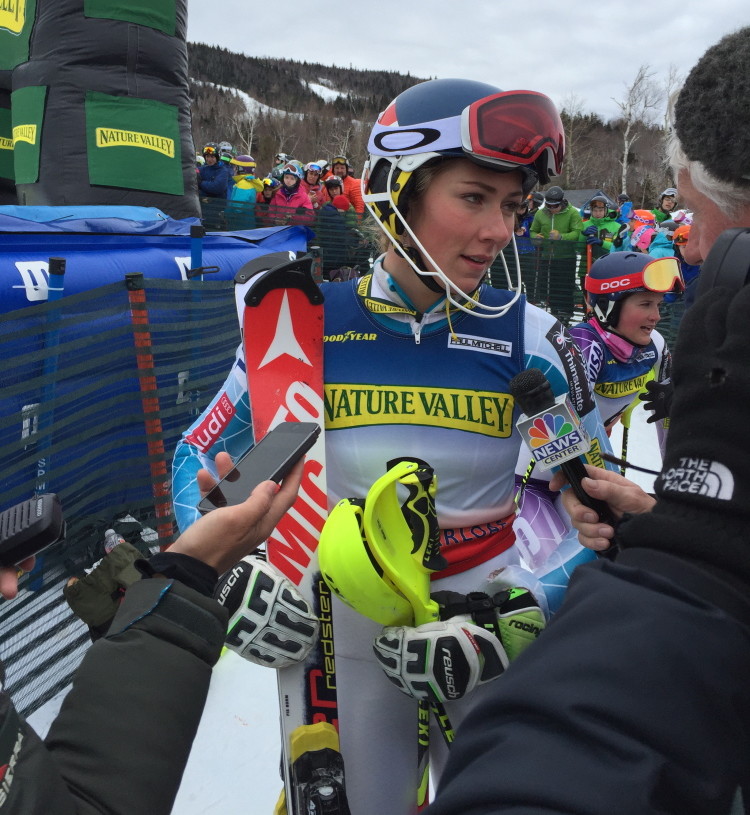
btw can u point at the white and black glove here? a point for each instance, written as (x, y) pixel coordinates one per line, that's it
(270, 623)
(444, 661)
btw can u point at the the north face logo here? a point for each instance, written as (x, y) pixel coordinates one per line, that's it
(699, 476)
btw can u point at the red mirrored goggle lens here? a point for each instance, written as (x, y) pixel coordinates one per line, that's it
(522, 127)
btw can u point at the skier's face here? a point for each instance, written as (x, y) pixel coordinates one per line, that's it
(465, 218)
(639, 316)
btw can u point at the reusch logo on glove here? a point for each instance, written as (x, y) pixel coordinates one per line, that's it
(699, 476)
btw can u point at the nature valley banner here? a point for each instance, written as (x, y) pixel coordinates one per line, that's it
(159, 14)
(27, 117)
(6, 145)
(16, 21)
(133, 143)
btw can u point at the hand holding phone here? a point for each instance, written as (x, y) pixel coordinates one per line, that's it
(271, 459)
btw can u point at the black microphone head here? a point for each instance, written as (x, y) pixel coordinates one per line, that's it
(532, 391)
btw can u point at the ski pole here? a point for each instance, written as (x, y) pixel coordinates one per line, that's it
(626, 418)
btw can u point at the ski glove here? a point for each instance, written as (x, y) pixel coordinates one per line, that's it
(592, 235)
(703, 492)
(270, 623)
(446, 660)
(658, 399)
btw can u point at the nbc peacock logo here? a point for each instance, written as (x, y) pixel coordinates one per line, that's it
(548, 427)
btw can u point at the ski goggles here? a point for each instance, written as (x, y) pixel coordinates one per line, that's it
(339, 160)
(210, 151)
(313, 168)
(660, 275)
(508, 129)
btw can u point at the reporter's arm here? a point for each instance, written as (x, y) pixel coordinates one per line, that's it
(622, 496)
(125, 730)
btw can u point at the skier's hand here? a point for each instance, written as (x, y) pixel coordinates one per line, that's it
(618, 492)
(270, 623)
(446, 660)
(658, 399)
(440, 661)
(224, 536)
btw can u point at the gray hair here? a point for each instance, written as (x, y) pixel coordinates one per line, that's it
(730, 198)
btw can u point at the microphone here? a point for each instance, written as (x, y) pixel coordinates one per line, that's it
(553, 431)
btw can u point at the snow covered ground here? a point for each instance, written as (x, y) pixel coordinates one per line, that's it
(234, 764)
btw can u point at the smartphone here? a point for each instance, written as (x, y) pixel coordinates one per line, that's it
(271, 458)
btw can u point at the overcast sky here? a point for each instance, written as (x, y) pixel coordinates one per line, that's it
(561, 49)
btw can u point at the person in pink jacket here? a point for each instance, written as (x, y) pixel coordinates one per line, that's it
(291, 203)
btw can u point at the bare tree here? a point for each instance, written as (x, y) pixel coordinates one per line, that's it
(672, 83)
(641, 100)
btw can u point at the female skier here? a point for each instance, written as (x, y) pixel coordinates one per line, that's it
(425, 374)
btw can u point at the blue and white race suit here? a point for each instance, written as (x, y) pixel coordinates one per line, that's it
(399, 383)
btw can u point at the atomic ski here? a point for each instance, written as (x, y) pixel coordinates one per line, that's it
(281, 314)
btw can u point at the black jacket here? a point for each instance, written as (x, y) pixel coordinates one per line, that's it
(122, 738)
(635, 700)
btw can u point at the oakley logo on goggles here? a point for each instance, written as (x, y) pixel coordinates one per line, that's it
(509, 128)
(660, 275)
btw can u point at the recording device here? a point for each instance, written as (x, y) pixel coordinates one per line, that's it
(554, 434)
(728, 262)
(29, 528)
(271, 458)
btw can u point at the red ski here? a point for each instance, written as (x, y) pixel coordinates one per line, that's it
(281, 311)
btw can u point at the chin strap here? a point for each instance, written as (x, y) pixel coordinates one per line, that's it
(429, 281)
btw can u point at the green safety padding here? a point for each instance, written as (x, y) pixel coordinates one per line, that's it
(27, 116)
(133, 143)
(158, 14)
(16, 22)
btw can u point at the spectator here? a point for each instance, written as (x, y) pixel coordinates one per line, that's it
(352, 186)
(292, 204)
(241, 210)
(265, 211)
(624, 208)
(280, 160)
(601, 228)
(213, 176)
(557, 227)
(667, 205)
(103, 752)
(312, 185)
(331, 188)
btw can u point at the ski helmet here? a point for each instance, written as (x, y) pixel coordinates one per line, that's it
(554, 196)
(271, 182)
(618, 274)
(313, 167)
(350, 569)
(246, 164)
(281, 158)
(538, 198)
(292, 169)
(644, 217)
(333, 181)
(211, 149)
(456, 118)
(681, 235)
(667, 227)
(670, 192)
